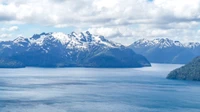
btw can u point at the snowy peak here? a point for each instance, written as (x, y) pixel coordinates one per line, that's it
(37, 36)
(159, 42)
(41, 39)
(192, 45)
(82, 49)
(21, 41)
(82, 40)
(61, 37)
(178, 43)
(165, 43)
(142, 42)
(164, 50)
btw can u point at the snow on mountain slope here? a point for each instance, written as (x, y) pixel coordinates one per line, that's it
(164, 50)
(70, 50)
(160, 42)
(21, 41)
(74, 40)
(143, 42)
(192, 45)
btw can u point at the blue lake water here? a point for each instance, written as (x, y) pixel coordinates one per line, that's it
(96, 90)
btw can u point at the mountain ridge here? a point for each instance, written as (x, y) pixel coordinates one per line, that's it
(56, 49)
(164, 50)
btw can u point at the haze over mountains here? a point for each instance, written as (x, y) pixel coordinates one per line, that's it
(72, 50)
(164, 50)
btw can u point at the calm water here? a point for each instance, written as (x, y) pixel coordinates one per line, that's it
(96, 90)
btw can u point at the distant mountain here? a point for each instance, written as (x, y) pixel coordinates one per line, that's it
(166, 50)
(190, 71)
(72, 50)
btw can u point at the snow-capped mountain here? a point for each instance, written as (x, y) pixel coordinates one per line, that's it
(159, 42)
(164, 50)
(64, 50)
(192, 45)
(73, 41)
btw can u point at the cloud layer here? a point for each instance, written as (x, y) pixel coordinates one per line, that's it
(10, 29)
(6, 32)
(112, 18)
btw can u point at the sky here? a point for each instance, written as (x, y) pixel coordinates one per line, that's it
(122, 21)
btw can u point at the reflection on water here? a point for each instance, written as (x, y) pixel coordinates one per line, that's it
(96, 90)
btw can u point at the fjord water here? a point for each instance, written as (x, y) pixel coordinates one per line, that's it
(96, 90)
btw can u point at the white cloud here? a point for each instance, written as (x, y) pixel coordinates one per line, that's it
(10, 29)
(2, 36)
(180, 9)
(112, 32)
(13, 28)
(98, 12)
(112, 18)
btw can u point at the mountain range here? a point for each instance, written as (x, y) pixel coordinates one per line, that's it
(164, 50)
(67, 50)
